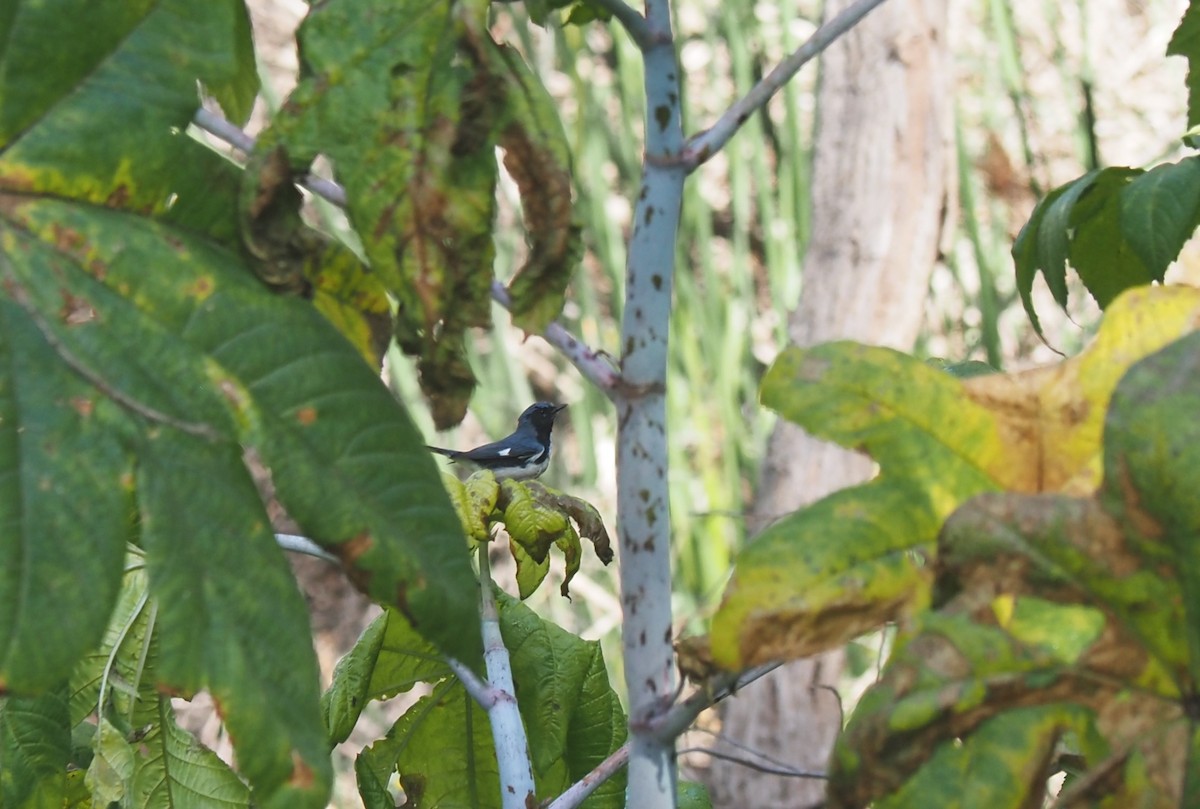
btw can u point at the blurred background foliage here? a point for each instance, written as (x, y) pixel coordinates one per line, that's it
(1044, 91)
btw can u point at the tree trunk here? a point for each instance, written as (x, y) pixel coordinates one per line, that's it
(880, 193)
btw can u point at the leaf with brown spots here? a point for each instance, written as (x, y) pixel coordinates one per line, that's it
(537, 156)
(409, 130)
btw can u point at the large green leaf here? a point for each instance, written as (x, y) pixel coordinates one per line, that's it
(121, 94)
(204, 354)
(203, 526)
(63, 498)
(572, 717)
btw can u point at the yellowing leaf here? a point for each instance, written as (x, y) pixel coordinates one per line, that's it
(1052, 418)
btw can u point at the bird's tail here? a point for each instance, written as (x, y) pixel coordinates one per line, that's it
(449, 453)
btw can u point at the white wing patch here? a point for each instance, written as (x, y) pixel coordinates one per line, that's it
(504, 453)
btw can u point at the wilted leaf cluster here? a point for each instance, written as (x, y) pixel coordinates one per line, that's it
(535, 517)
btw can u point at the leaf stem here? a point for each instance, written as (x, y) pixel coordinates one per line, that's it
(704, 145)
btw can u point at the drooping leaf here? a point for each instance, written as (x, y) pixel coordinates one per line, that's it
(409, 133)
(537, 156)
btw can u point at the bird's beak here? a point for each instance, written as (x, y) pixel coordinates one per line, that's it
(561, 407)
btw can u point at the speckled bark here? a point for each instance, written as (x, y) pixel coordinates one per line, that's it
(880, 189)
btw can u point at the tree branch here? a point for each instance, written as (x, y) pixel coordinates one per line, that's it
(592, 364)
(676, 720)
(479, 689)
(585, 786)
(702, 146)
(508, 732)
(595, 366)
(643, 499)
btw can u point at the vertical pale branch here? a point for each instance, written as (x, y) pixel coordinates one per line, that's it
(508, 732)
(643, 519)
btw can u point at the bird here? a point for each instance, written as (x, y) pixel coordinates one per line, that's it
(524, 455)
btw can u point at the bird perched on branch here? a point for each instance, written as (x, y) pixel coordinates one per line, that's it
(522, 455)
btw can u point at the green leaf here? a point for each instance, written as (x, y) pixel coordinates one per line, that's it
(530, 572)
(174, 771)
(1186, 42)
(1159, 211)
(1001, 765)
(1151, 464)
(112, 765)
(388, 659)
(122, 95)
(420, 178)
(35, 746)
(344, 700)
(572, 717)
(63, 499)
(1105, 260)
(442, 747)
(123, 663)
(244, 638)
(530, 523)
(205, 350)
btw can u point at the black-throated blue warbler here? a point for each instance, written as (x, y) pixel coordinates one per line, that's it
(521, 456)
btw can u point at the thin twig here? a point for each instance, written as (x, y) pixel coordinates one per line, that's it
(304, 545)
(590, 362)
(594, 365)
(675, 721)
(702, 146)
(754, 765)
(585, 786)
(476, 686)
(745, 748)
(633, 22)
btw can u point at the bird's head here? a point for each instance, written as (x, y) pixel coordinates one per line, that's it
(539, 416)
